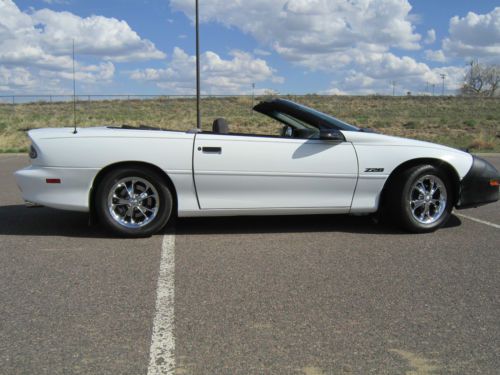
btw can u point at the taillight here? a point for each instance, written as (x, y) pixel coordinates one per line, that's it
(494, 183)
(33, 153)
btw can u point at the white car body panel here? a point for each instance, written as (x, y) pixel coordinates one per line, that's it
(96, 148)
(268, 173)
(252, 175)
(381, 151)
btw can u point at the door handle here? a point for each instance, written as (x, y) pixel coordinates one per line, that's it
(212, 150)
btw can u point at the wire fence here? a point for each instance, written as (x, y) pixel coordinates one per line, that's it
(114, 109)
(339, 102)
(452, 120)
(48, 98)
(131, 107)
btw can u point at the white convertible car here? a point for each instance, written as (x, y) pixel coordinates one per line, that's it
(135, 179)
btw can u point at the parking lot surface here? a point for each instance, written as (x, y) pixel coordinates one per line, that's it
(273, 295)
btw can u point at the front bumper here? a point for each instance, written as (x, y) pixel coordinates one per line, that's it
(478, 186)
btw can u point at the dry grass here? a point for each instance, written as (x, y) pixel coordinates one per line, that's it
(454, 121)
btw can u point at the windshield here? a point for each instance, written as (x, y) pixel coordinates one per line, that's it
(335, 122)
(299, 116)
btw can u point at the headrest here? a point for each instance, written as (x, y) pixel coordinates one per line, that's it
(220, 126)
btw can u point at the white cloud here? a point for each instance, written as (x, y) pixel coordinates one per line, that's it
(40, 42)
(454, 76)
(219, 76)
(261, 52)
(333, 36)
(52, 2)
(474, 36)
(95, 35)
(103, 72)
(358, 43)
(334, 91)
(15, 78)
(380, 77)
(437, 56)
(431, 37)
(388, 66)
(298, 28)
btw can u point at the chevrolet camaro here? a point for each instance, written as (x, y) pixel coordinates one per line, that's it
(134, 180)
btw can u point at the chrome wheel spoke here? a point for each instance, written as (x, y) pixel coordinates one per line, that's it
(427, 210)
(121, 201)
(130, 212)
(130, 190)
(140, 209)
(146, 209)
(434, 189)
(145, 196)
(418, 203)
(421, 188)
(436, 202)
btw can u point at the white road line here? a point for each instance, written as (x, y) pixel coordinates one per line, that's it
(479, 221)
(162, 351)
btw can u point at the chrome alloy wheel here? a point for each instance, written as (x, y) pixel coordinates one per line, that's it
(133, 202)
(428, 199)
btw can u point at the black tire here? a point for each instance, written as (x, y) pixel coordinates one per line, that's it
(158, 206)
(404, 191)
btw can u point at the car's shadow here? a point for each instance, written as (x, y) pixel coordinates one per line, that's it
(291, 224)
(21, 221)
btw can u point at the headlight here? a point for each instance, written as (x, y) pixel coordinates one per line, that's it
(33, 153)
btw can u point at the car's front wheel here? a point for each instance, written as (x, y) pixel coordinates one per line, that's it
(423, 199)
(133, 202)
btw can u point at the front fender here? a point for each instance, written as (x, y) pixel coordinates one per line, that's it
(378, 161)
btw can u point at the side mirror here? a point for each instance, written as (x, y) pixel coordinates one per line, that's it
(331, 135)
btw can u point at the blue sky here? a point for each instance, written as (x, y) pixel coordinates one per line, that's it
(286, 46)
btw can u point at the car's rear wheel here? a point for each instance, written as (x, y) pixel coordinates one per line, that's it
(423, 199)
(133, 202)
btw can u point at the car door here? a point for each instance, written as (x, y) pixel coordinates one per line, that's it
(258, 172)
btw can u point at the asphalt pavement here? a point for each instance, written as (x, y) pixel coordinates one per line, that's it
(273, 295)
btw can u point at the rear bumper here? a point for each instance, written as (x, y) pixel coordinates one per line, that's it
(476, 188)
(72, 193)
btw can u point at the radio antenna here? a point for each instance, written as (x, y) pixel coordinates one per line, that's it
(74, 91)
(198, 96)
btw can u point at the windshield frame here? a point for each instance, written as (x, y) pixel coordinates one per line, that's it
(303, 113)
